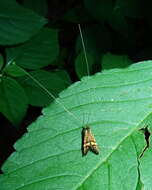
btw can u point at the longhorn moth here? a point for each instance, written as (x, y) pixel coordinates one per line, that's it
(88, 142)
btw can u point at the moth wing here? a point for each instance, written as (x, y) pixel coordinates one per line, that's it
(93, 145)
(85, 150)
(94, 149)
(86, 141)
(89, 142)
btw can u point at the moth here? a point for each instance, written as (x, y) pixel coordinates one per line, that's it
(88, 142)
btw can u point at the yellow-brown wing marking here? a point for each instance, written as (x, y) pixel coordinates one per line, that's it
(89, 142)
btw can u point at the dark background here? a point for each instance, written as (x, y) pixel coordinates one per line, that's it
(109, 26)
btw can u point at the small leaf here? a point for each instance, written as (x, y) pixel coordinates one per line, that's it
(38, 52)
(17, 23)
(110, 61)
(13, 70)
(53, 82)
(13, 100)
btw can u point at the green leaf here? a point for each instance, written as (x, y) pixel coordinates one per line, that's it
(81, 67)
(38, 6)
(63, 75)
(110, 61)
(17, 23)
(13, 100)
(36, 53)
(52, 81)
(115, 104)
(13, 70)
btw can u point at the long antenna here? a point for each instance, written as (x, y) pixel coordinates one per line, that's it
(84, 50)
(50, 94)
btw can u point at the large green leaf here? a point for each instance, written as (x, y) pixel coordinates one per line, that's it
(13, 100)
(36, 53)
(115, 104)
(17, 23)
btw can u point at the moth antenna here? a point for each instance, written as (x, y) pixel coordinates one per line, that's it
(50, 94)
(84, 50)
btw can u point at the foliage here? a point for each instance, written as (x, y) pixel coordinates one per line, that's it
(41, 54)
(117, 107)
(39, 50)
(35, 45)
